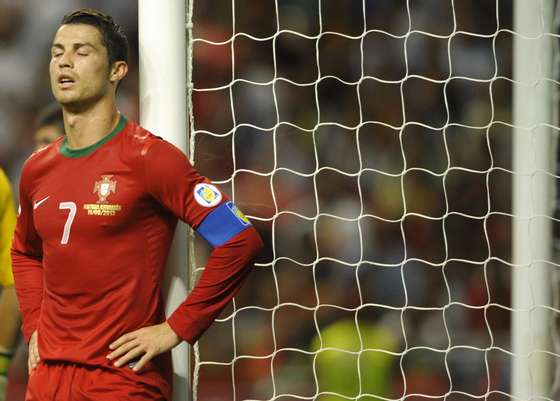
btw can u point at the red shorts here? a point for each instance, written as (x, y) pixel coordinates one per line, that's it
(63, 381)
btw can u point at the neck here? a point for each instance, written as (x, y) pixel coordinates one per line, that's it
(89, 125)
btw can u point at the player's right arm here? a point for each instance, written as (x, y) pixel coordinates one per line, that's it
(27, 259)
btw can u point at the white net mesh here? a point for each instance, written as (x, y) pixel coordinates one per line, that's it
(370, 143)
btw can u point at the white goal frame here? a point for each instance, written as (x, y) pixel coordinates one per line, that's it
(163, 110)
(534, 160)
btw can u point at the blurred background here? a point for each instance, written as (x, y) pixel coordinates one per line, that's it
(369, 143)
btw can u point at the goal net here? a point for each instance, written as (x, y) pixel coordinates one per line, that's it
(370, 142)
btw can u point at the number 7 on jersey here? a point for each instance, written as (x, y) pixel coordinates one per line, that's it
(71, 207)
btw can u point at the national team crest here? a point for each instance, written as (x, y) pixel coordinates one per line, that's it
(104, 188)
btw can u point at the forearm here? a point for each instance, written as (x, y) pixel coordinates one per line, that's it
(225, 272)
(28, 275)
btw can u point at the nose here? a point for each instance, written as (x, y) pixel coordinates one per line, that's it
(65, 60)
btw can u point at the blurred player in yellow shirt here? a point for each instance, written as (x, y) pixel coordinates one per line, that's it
(9, 313)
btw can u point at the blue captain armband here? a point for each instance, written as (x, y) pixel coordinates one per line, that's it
(222, 224)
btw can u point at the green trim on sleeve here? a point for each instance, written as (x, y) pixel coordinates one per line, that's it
(74, 153)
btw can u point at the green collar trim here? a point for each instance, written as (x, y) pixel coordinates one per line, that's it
(74, 153)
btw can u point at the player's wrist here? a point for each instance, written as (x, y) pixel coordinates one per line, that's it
(176, 324)
(174, 337)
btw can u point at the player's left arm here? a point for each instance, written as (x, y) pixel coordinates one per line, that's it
(177, 185)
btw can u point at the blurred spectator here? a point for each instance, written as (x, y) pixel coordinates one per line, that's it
(341, 349)
(49, 126)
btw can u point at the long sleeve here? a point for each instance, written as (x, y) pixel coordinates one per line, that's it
(177, 186)
(223, 276)
(27, 263)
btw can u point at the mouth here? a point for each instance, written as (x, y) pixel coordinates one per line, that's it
(65, 81)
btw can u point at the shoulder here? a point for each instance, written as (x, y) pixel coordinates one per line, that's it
(40, 161)
(144, 146)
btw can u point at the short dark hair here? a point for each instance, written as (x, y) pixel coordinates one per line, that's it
(113, 36)
(50, 115)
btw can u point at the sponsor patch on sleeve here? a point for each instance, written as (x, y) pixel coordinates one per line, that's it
(207, 195)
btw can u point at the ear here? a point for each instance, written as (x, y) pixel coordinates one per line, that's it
(119, 69)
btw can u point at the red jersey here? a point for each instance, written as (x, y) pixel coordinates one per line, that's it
(92, 237)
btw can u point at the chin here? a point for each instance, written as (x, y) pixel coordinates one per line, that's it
(66, 99)
(75, 104)
(76, 101)
(69, 100)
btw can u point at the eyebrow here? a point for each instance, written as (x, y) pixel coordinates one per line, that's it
(75, 45)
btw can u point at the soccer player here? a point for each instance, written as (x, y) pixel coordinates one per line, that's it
(98, 212)
(9, 313)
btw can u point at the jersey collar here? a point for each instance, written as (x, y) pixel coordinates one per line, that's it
(74, 153)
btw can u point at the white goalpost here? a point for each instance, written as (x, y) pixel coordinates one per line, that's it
(399, 159)
(534, 164)
(163, 110)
